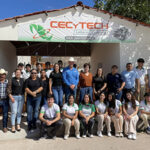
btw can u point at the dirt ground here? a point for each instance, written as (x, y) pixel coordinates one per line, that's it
(105, 143)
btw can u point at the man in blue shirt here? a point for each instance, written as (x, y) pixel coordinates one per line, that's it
(115, 82)
(71, 79)
(131, 79)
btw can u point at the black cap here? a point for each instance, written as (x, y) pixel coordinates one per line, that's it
(146, 94)
(141, 60)
(47, 63)
(21, 64)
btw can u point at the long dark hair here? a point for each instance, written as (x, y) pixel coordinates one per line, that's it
(132, 100)
(96, 75)
(55, 66)
(105, 100)
(90, 101)
(112, 103)
(71, 95)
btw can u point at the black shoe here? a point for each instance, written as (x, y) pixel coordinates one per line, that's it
(34, 127)
(29, 128)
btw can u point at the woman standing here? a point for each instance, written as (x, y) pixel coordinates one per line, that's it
(45, 82)
(85, 82)
(70, 113)
(16, 95)
(33, 87)
(55, 85)
(99, 83)
(87, 113)
(102, 115)
(130, 110)
(115, 112)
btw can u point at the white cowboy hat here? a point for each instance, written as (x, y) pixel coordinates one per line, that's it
(71, 59)
(3, 71)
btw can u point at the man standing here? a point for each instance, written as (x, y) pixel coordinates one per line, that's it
(4, 102)
(130, 77)
(71, 79)
(27, 73)
(142, 73)
(115, 82)
(48, 69)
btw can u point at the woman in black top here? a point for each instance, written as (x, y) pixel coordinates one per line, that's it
(45, 82)
(33, 87)
(55, 85)
(16, 95)
(99, 83)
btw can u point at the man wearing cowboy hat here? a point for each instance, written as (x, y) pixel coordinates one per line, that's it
(71, 79)
(4, 103)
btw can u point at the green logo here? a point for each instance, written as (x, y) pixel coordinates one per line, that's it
(40, 32)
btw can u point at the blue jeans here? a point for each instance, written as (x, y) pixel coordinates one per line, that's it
(86, 90)
(5, 105)
(69, 91)
(119, 95)
(16, 109)
(43, 101)
(58, 95)
(33, 104)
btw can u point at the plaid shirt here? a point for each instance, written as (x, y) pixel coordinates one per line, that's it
(3, 89)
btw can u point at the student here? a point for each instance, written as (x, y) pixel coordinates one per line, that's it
(16, 96)
(55, 85)
(38, 68)
(4, 101)
(115, 112)
(85, 82)
(131, 78)
(99, 83)
(27, 73)
(70, 113)
(33, 87)
(145, 112)
(48, 69)
(87, 113)
(143, 78)
(71, 79)
(45, 82)
(115, 83)
(130, 110)
(102, 115)
(50, 116)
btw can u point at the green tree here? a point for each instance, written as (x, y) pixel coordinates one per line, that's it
(135, 9)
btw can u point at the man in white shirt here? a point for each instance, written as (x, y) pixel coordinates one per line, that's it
(143, 78)
(50, 116)
(27, 72)
(48, 69)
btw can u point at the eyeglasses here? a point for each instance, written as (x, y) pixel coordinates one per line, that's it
(33, 73)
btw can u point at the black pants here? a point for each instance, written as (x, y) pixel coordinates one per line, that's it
(54, 128)
(87, 127)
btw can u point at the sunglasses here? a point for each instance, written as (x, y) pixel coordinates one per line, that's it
(33, 73)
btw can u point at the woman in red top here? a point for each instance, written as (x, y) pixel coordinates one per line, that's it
(85, 82)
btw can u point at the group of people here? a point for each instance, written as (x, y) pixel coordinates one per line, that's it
(115, 98)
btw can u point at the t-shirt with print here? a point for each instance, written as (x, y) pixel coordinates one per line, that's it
(70, 110)
(87, 109)
(144, 106)
(50, 112)
(130, 110)
(101, 106)
(117, 106)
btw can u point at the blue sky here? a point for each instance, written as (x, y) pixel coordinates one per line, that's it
(11, 8)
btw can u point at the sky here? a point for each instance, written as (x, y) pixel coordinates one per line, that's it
(11, 8)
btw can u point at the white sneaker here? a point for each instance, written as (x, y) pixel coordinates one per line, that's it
(134, 136)
(121, 135)
(100, 134)
(84, 136)
(117, 135)
(78, 136)
(90, 135)
(129, 136)
(66, 137)
(109, 134)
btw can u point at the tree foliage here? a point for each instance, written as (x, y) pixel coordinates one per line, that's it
(135, 9)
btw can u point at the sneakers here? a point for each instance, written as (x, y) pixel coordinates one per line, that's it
(84, 136)
(90, 135)
(78, 136)
(117, 134)
(109, 134)
(148, 130)
(99, 133)
(130, 136)
(134, 136)
(121, 135)
(66, 137)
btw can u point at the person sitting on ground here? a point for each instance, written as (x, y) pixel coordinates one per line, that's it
(50, 116)
(70, 113)
(145, 112)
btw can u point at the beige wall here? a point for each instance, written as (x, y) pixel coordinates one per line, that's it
(105, 55)
(8, 59)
